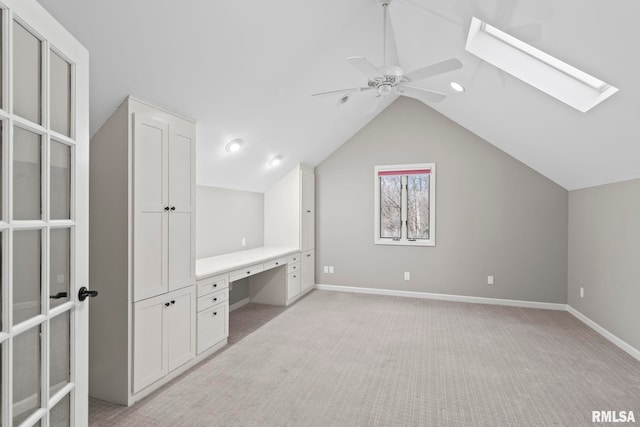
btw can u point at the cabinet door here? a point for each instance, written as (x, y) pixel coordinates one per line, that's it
(293, 285)
(149, 344)
(150, 152)
(307, 273)
(182, 208)
(307, 222)
(213, 326)
(180, 327)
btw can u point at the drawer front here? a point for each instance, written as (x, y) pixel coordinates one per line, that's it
(213, 326)
(241, 273)
(275, 263)
(293, 285)
(214, 284)
(292, 259)
(210, 300)
(291, 268)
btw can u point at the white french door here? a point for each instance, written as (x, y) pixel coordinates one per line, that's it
(44, 160)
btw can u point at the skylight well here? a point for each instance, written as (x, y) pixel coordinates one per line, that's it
(541, 70)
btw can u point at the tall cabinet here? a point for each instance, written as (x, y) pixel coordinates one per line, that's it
(289, 221)
(142, 251)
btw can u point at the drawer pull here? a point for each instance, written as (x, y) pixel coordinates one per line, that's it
(277, 263)
(167, 304)
(295, 277)
(215, 299)
(215, 313)
(248, 272)
(215, 285)
(308, 255)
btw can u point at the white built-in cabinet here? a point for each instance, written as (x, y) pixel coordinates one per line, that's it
(289, 221)
(164, 335)
(142, 251)
(163, 205)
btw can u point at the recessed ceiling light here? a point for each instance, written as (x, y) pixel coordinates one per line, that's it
(537, 68)
(233, 146)
(456, 86)
(275, 161)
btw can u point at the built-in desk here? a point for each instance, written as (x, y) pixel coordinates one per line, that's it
(274, 275)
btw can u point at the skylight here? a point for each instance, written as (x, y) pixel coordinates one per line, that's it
(542, 71)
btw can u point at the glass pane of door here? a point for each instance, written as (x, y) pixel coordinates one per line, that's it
(27, 375)
(59, 356)
(60, 94)
(59, 266)
(27, 175)
(61, 413)
(27, 274)
(27, 74)
(60, 173)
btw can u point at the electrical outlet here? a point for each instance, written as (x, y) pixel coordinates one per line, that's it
(489, 280)
(244, 242)
(331, 269)
(326, 269)
(407, 275)
(581, 292)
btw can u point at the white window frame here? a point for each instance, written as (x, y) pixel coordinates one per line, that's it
(404, 241)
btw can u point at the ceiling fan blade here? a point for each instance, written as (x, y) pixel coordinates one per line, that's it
(345, 91)
(434, 69)
(365, 67)
(424, 95)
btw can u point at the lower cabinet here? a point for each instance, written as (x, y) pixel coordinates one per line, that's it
(213, 312)
(213, 326)
(307, 270)
(164, 335)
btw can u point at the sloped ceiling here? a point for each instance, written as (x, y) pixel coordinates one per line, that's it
(246, 69)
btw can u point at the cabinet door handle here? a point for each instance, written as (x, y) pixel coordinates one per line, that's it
(167, 304)
(295, 277)
(308, 255)
(173, 208)
(173, 301)
(308, 211)
(248, 272)
(277, 263)
(215, 299)
(215, 285)
(166, 208)
(215, 313)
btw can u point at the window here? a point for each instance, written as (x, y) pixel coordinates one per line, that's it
(405, 204)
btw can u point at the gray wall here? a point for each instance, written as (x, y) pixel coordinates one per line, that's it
(604, 256)
(495, 216)
(224, 217)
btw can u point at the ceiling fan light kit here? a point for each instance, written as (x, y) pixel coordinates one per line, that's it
(554, 77)
(390, 79)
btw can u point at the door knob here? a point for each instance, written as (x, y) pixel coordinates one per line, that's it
(83, 293)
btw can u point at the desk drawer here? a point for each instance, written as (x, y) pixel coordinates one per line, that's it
(275, 263)
(214, 284)
(213, 326)
(212, 299)
(294, 258)
(241, 273)
(291, 268)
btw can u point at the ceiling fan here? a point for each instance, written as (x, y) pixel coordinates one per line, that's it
(391, 79)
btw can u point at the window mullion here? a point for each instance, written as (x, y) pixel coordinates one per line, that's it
(404, 208)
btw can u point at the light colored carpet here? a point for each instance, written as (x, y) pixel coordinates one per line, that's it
(349, 359)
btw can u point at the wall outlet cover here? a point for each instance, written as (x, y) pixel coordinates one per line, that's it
(407, 275)
(489, 280)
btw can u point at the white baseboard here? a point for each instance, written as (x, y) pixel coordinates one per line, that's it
(445, 297)
(634, 352)
(239, 304)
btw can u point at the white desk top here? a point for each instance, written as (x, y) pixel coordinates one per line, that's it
(214, 265)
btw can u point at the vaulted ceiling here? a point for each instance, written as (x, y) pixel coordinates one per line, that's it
(246, 69)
